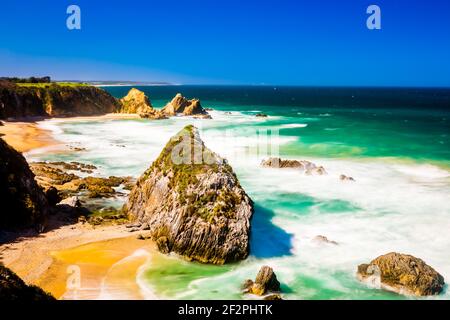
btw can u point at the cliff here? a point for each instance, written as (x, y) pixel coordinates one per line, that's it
(182, 106)
(23, 201)
(12, 288)
(192, 203)
(53, 100)
(137, 102)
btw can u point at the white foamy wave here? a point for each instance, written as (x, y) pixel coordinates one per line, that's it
(294, 125)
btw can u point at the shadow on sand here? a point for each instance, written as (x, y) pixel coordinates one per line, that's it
(268, 240)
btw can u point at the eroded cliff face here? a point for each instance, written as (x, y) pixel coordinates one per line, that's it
(23, 203)
(53, 100)
(192, 203)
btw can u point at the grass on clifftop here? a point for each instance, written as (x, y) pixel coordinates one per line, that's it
(46, 85)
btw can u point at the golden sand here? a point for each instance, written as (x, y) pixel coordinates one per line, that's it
(25, 136)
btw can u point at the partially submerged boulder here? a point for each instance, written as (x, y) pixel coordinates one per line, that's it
(192, 202)
(23, 202)
(182, 106)
(323, 240)
(308, 167)
(12, 288)
(136, 102)
(266, 282)
(403, 274)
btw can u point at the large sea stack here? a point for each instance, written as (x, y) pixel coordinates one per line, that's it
(137, 102)
(182, 106)
(192, 203)
(23, 201)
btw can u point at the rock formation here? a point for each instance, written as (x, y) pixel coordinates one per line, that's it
(403, 274)
(307, 167)
(191, 202)
(59, 175)
(23, 201)
(181, 105)
(53, 100)
(137, 102)
(12, 288)
(343, 177)
(266, 282)
(323, 240)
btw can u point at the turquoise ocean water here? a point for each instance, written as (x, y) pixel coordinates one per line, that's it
(394, 142)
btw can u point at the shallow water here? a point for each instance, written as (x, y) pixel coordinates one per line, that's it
(399, 157)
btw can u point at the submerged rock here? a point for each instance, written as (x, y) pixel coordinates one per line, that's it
(136, 102)
(12, 288)
(343, 177)
(307, 167)
(323, 239)
(403, 274)
(183, 106)
(23, 202)
(193, 203)
(266, 281)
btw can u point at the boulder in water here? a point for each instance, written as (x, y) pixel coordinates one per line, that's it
(402, 273)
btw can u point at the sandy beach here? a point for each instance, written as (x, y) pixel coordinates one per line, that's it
(25, 136)
(106, 257)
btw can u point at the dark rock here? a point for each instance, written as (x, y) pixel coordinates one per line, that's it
(261, 115)
(343, 177)
(12, 288)
(273, 297)
(53, 197)
(403, 274)
(24, 203)
(192, 200)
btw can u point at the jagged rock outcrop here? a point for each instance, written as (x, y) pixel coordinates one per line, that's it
(266, 282)
(23, 203)
(307, 167)
(53, 100)
(137, 102)
(181, 105)
(12, 288)
(403, 274)
(191, 202)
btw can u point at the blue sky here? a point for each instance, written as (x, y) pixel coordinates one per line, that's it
(281, 42)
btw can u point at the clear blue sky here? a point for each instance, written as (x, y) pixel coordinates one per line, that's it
(297, 42)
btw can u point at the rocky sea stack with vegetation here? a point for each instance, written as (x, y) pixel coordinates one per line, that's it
(191, 202)
(23, 202)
